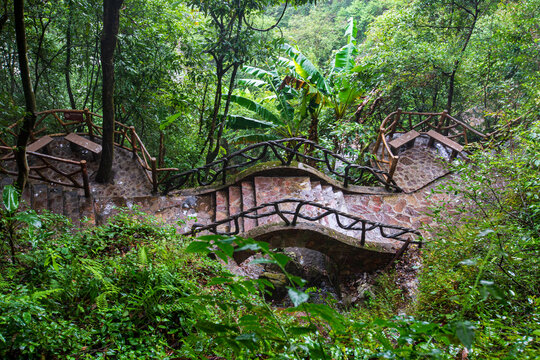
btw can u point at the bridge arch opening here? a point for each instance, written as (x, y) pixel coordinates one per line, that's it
(350, 257)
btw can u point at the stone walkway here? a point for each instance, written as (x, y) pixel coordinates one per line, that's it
(420, 170)
(420, 165)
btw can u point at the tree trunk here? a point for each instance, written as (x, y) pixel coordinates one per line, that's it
(211, 156)
(452, 80)
(111, 20)
(68, 57)
(30, 100)
(215, 113)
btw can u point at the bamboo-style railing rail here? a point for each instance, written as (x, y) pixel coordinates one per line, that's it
(289, 217)
(403, 121)
(45, 168)
(284, 151)
(60, 122)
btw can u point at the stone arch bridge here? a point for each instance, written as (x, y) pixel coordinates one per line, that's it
(283, 201)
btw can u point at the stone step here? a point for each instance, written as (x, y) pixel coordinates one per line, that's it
(222, 209)
(55, 199)
(235, 207)
(39, 197)
(86, 211)
(270, 189)
(248, 202)
(71, 207)
(316, 196)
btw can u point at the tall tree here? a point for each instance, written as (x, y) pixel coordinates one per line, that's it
(30, 100)
(230, 45)
(111, 20)
(67, 70)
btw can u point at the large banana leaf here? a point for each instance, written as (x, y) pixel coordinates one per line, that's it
(260, 110)
(344, 59)
(258, 72)
(254, 138)
(307, 70)
(351, 31)
(238, 122)
(252, 82)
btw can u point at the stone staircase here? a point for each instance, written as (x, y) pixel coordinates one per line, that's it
(183, 211)
(249, 194)
(57, 199)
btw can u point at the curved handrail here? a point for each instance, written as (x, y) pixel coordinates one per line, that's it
(285, 150)
(345, 221)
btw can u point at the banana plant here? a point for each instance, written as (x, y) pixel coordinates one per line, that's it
(305, 82)
(284, 123)
(336, 90)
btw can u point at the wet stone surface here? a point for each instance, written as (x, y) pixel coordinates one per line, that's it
(420, 165)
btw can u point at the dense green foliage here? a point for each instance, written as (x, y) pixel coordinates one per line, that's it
(195, 70)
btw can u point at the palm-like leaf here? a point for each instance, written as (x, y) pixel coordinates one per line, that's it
(239, 122)
(257, 108)
(307, 70)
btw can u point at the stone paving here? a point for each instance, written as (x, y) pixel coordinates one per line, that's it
(420, 165)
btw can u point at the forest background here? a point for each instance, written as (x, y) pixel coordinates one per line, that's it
(330, 71)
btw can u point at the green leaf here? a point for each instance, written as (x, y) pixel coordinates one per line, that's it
(238, 122)
(219, 280)
(465, 333)
(351, 31)
(169, 120)
(302, 330)
(297, 297)
(260, 110)
(213, 328)
(257, 72)
(281, 259)
(253, 82)
(228, 249)
(332, 317)
(307, 70)
(198, 247)
(249, 337)
(29, 217)
(469, 262)
(263, 261)
(10, 196)
(344, 59)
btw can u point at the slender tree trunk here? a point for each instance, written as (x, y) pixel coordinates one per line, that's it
(452, 79)
(213, 154)
(111, 20)
(68, 57)
(30, 100)
(217, 106)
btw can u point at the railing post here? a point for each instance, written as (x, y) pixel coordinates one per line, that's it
(88, 119)
(161, 154)
(86, 184)
(133, 141)
(393, 165)
(346, 179)
(225, 164)
(153, 162)
(441, 120)
(363, 238)
(396, 121)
